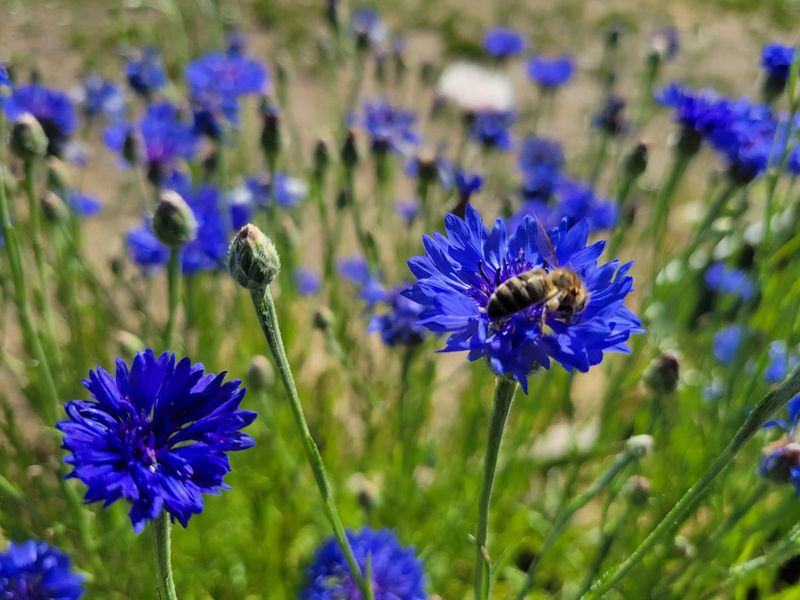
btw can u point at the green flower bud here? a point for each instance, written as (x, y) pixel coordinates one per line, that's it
(173, 222)
(270, 130)
(53, 208)
(324, 318)
(260, 374)
(349, 154)
(662, 374)
(635, 162)
(129, 344)
(28, 139)
(253, 260)
(639, 445)
(321, 159)
(58, 178)
(637, 490)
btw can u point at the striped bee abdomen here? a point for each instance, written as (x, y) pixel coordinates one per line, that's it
(518, 293)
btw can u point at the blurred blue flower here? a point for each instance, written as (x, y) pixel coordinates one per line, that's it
(5, 80)
(389, 127)
(540, 163)
(776, 60)
(491, 129)
(397, 573)
(610, 119)
(205, 122)
(207, 251)
(551, 73)
(407, 210)
(730, 281)
(574, 201)
(400, 325)
(98, 96)
(368, 28)
(427, 163)
(156, 434)
(356, 271)
(780, 362)
(52, 108)
(33, 570)
(145, 74)
(727, 342)
(700, 112)
(217, 81)
(82, 204)
(459, 273)
(161, 135)
(307, 281)
(504, 42)
(467, 183)
(665, 41)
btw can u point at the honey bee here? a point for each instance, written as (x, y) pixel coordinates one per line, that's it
(561, 292)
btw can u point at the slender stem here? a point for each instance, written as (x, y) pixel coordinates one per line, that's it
(599, 158)
(174, 295)
(505, 389)
(694, 495)
(403, 435)
(680, 162)
(268, 318)
(712, 214)
(161, 532)
(622, 460)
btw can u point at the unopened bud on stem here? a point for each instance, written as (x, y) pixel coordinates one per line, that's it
(28, 139)
(173, 221)
(253, 260)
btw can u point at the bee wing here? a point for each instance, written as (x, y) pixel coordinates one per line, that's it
(544, 244)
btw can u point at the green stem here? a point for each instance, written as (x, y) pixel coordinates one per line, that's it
(680, 162)
(599, 159)
(712, 214)
(694, 495)
(160, 530)
(622, 460)
(174, 295)
(268, 318)
(505, 389)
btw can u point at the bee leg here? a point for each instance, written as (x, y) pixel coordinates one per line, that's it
(550, 306)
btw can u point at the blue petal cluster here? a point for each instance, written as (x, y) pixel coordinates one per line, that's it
(307, 281)
(52, 108)
(492, 129)
(610, 119)
(504, 42)
(459, 273)
(540, 163)
(730, 281)
(397, 573)
(368, 27)
(467, 183)
(102, 97)
(407, 210)
(389, 127)
(157, 434)
(780, 362)
(33, 570)
(776, 60)
(727, 342)
(145, 74)
(551, 73)
(207, 251)
(217, 81)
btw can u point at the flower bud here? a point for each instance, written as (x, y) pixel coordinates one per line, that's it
(270, 130)
(635, 162)
(253, 260)
(349, 153)
(53, 208)
(324, 318)
(260, 374)
(321, 159)
(637, 490)
(688, 143)
(342, 200)
(132, 148)
(663, 373)
(639, 445)
(780, 459)
(57, 176)
(366, 491)
(129, 344)
(28, 139)
(173, 222)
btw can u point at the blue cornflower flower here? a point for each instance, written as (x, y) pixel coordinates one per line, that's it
(156, 434)
(781, 459)
(145, 74)
(504, 42)
(368, 28)
(611, 117)
(399, 326)
(407, 210)
(491, 129)
(389, 127)
(776, 60)
(307, 281)
(52, 108)
(577, 201)
(551, 73)
(33, 570)
(205, 122)
(5, 80)
(699, 112)
(730, 281)
(727, 342)
(217, 81)
(459, 273)
(99, 96)
(164, 139)
(780, 362)
(207, 251)
(432, 165)
(396, 571)
(540, 162)
(467, 183)
(355, 269)
(83, 204)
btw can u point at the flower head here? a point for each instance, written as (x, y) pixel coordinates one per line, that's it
(390, 128)
(665, 42)
(33, 570)
(407, 210)
(307, 281)
(780, 361)
(52, 108)
(99, 96)
(727, 342)
(504, 42)
(551, 73)
(611, 118)
(776, 60)
(474, 88)
(492, 129)
(369, 30)
(730, 281)
(540, 162)
(399, 325)
(396, 571)
(217, 81)
(145, 73)
(156, 434)
(460, 273)
(467, 183)
(355, 269)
